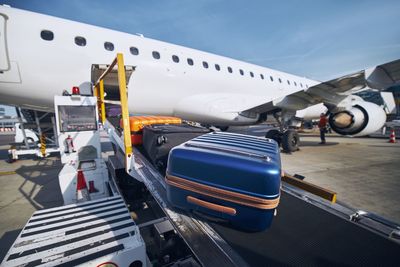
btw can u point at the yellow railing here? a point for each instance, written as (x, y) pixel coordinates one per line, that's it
(99, 93)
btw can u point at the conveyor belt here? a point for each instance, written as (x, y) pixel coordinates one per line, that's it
(302, 234)
(305, 235)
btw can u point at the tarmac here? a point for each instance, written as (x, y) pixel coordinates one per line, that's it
(27, 185)
(363, 171)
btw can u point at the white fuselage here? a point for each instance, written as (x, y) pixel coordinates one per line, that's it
(40, 69)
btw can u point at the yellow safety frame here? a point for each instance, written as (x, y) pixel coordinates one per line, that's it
(99, 93)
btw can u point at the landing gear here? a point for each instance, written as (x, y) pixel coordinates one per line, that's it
(274, 134)
(289, 139)
(285, 136)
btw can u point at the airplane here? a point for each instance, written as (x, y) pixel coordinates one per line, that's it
(41, 55)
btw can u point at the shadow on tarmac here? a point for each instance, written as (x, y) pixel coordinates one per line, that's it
(43, 175)
(6, 242)
(314, 143)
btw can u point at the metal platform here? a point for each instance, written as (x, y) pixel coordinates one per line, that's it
(87, 233)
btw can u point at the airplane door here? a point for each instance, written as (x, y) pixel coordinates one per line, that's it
(4, 59)
(9, 70)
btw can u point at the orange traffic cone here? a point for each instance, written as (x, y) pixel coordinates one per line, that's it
(392, 136)
(82, 193)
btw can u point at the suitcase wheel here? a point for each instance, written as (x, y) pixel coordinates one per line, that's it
(161, 140)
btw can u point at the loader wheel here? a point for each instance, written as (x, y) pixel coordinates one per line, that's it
(290, 141)
(274, 134)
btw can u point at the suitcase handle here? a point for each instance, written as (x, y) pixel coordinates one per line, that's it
(248, 154)
(211, 206)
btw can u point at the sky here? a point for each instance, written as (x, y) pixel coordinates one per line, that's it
(321, 40)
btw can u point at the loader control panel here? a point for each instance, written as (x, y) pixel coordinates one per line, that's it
(77, 128)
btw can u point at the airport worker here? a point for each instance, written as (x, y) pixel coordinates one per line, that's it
(323, 121)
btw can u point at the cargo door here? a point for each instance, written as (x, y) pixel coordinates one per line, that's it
(4, 59)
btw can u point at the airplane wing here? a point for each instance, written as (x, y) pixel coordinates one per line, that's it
(333, 92)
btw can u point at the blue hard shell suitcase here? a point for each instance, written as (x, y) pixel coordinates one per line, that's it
(232, 177)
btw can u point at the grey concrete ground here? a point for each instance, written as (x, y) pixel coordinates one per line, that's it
(25, 186)
(365, 172)
(28, 185)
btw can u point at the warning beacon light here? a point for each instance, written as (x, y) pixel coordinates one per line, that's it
(75, 90)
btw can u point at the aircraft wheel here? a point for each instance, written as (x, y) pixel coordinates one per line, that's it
(274, 134)
(290, 141)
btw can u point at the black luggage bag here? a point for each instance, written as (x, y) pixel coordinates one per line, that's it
(159, 139)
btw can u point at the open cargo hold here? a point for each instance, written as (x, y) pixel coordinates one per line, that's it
(231, 177)
(159, 139)
(137, 123)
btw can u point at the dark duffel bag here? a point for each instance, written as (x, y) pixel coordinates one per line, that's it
(159, 139)
(230, 177)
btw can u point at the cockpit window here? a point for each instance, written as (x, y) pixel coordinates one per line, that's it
(80, 41)
(109, 46)
(47, 35)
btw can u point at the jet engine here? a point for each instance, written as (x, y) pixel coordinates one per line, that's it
(362, 118)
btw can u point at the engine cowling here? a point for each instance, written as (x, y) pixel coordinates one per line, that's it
(362, 118)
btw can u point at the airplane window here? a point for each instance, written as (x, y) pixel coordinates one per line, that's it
(205, 64)
(288, 82)
(262, 77)
(175, 58)
(241, 72)
(301, 85)
(271, 78)
(230, 70)
(109, 46)
(295, 84)
(134, 50)
(47, 35)
(251, 74)
(190, 61)
(217, 67)
(307, 85)
(280, 80)
(80, 41)
(156, 55)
